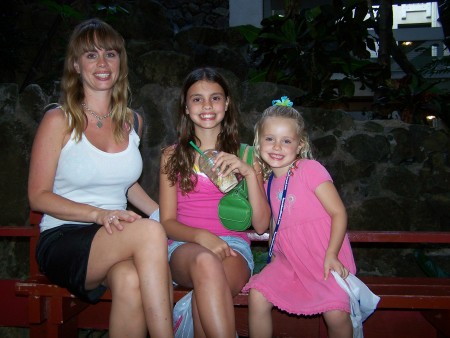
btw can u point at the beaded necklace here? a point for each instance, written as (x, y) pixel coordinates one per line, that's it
(98, 117)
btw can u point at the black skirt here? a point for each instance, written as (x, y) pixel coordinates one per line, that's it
(62, 254)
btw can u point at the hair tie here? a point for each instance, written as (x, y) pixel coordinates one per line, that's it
(283, 102)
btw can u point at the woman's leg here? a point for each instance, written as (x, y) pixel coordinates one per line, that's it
(339, 324)
(213, 311)
(145, 243)
(127, 317)
(260, 315)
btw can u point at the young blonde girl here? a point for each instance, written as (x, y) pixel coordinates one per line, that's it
(205, 256)
(310, 240)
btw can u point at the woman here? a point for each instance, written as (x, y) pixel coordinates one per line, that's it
(85, 164)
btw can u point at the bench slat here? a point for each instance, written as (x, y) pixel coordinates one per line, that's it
(405, 293)
(17, 231)
(399, 237)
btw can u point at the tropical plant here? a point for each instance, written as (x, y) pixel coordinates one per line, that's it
(308, 48)
(416, 97)
(80, 10)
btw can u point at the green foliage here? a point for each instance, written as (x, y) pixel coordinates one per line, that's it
(65, 11)
(307, 49)
(249, 32)
(77, 12)
(438, 66)
(416, 98)
(110, 10)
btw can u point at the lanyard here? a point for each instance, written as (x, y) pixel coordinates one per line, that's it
(280, 212)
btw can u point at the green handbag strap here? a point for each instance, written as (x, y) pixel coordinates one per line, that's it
(249, 153)
(243, 187)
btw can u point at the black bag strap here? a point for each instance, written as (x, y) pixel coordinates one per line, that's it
(136, 122)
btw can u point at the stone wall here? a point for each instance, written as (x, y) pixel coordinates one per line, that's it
(391, 175)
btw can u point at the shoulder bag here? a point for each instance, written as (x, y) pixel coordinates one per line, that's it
(235, 211)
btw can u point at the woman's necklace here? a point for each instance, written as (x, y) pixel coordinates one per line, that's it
(98, 117)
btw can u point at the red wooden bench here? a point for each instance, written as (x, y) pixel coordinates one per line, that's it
(425, 302)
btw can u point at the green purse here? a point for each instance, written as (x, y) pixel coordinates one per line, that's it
(235, 211)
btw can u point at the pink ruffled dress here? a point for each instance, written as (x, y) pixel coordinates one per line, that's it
(294, 281)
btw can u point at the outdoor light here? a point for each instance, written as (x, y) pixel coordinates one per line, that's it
(432, 120)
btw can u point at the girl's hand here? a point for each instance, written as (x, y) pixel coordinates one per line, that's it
(111, 218)
(231, 163)
(216, 245)
(333, 263)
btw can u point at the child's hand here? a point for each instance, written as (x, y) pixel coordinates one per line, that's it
(231, 163)
(216, 245)
(333, 263)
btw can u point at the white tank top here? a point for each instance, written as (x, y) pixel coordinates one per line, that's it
(86, 174)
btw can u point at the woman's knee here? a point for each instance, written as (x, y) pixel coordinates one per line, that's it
(123, 280)
(149, 232)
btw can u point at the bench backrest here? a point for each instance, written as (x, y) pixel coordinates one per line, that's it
(356, 236)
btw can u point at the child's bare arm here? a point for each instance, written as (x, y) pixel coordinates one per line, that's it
(331, 201)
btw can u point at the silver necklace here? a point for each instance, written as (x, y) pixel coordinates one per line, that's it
(98, 117)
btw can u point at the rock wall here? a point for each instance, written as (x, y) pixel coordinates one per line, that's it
(391, 175)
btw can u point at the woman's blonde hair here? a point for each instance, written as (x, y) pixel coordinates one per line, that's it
(87, 36)
(287, 113)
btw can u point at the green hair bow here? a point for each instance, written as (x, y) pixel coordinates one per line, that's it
(283, 102)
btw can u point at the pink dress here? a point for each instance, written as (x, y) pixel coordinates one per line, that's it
(294, 281)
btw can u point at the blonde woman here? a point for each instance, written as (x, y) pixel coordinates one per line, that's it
(84, 169)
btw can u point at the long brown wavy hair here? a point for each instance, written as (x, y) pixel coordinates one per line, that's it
(88, 36)
(302, 133)
(180, 164)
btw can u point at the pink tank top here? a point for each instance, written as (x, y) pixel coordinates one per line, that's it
(198, 208)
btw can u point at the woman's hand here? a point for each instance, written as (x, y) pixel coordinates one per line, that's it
(110, 218)
(333, 263)
(215, 244)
